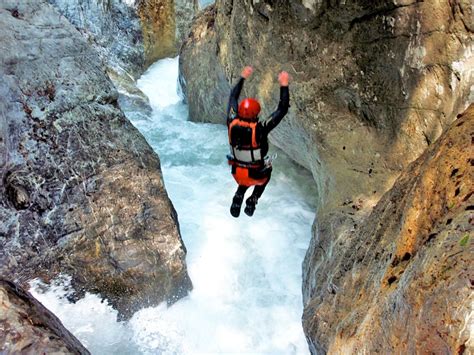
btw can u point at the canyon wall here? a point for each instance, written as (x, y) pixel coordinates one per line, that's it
(81, 191)
(374, 85)
(401, 280)
(130, 35)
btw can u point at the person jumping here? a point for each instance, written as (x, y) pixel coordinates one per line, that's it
(248, 139)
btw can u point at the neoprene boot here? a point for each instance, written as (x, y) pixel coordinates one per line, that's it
(236, 204)
(250, 205)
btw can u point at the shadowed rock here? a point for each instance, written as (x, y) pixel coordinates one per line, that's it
(81, 190)
(27, 327)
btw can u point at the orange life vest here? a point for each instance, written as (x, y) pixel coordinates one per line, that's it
(243, 142)
(247, 161)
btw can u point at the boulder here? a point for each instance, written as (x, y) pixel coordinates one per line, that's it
(27, 327)
(400, 281)
(81, 191)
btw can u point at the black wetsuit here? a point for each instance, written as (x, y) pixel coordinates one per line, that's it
(262, 130)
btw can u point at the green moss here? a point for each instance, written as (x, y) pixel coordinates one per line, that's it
(463, 242)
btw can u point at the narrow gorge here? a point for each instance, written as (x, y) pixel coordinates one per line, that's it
(115, 189)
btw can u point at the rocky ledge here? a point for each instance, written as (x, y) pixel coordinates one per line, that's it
(81, 190)
(27, 327)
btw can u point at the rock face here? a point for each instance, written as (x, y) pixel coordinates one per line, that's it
(113, 28)
(130, 35)
(201, 68)
(374, 85)
(391, 72)
(81, 190)
(165, 25)
(27, 327)
(185, 10)
(401, 281)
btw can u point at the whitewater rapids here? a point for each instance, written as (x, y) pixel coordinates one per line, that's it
(246, 272)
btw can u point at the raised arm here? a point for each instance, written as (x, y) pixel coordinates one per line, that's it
(283, 104)
(232, 108)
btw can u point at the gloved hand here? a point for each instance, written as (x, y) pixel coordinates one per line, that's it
(246, 72)
(283, 78)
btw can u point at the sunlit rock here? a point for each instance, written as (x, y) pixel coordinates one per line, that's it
(372, 84)
(400, 281)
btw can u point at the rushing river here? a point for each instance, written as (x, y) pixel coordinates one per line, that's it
(246, 272)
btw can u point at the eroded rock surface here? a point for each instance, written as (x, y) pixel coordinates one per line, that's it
(113, 28)
(373, 83)
(131, 35)
(185, 10)
(81, 190)
(27, 327)
(401, 281)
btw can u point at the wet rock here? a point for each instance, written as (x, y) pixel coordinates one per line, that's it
(27, 327)
(81, 191)
(400, 281)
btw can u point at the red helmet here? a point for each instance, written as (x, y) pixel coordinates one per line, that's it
(249, 108)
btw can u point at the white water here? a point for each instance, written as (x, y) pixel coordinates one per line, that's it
(204, 3)
(246, 272)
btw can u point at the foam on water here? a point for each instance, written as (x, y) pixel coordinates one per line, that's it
(204, 3)
(246, 272)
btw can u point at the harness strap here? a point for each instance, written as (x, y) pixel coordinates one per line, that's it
(247, 155)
